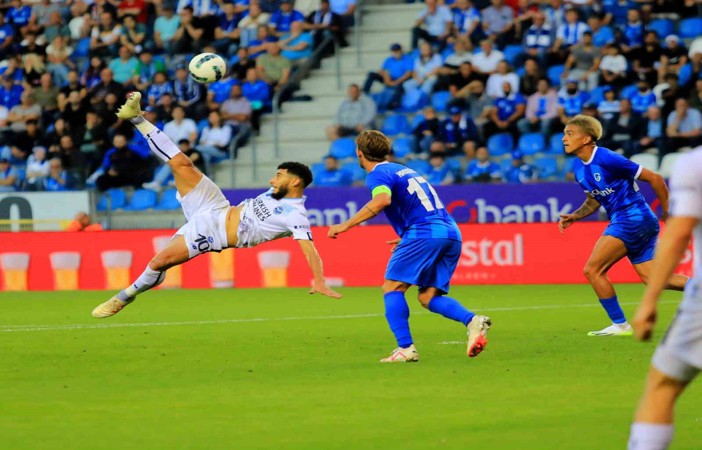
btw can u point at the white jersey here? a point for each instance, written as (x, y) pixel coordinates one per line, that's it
(264, 219)
(686, 201)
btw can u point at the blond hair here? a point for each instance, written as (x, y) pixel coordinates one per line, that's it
(588, 125)
(374, 145)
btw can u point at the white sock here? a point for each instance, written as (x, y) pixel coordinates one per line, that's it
(650, 436)
(147, 280)
(159, 143)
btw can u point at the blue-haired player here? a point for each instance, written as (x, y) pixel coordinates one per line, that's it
(425, 255)
(609, 180)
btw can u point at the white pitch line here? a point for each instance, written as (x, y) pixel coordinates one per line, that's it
(17, 328)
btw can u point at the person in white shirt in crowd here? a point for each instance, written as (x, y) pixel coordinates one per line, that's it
(568, 34)
(542, 108)
(426, 68)
(613, 66)
(433, 25)
(498, 22)
(180, 127)
(485, 62)
(355, 114)
(503, 75)
(37, 169)
(215, 138)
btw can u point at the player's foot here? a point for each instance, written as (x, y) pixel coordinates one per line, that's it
(477, 329)
(400, 354)
(131, 107)
(152, 186)
(616, 329)
(110, 308)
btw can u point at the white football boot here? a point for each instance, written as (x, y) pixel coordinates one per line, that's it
(477, 329)
(616, 329)
(400, 354)
(110, 308)
(131, 107)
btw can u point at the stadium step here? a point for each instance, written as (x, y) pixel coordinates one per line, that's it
(384, 16)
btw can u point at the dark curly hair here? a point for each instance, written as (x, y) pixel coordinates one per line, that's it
(299, 170)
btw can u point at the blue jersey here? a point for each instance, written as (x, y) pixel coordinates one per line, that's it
(611, 180)
(415, 212)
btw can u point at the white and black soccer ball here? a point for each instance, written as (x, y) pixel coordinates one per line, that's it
(207, 68)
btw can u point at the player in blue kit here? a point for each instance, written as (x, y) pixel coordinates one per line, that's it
(425, 255)
(609, 180)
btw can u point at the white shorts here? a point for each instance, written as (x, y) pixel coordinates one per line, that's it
(679, 355)
(205, 209)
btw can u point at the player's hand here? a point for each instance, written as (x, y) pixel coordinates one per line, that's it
(394, 243)
(336, 230)
(566, 221)
(323, 289)
(644, 320)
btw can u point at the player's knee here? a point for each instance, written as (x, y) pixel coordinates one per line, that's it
(159, 263)
(424, 299)
(180, 162)
(591, 271)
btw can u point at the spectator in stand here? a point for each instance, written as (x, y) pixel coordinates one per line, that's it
(433, 25)
(684, 126)
(498, 23)
(481, 169)
(541, 110)
(104, 38)
(480, 106)
(7, 38)
(642, 98)
(275, 69)
(458, 133)
(520, 172)
(601, 34)
(164, 174)
(26, 140)
(258, 92)
(324, 23)
(59, 179)
(73, 84)
(332, 175)
(674, 55)
(613, 67)
(19, 16)
(124, 67)
(215, 138)
(136, 9)
(281, 20)
(356, 113)
(83, 222)
(466, 22)
(227, 34)
(106, 86)
(91, 76)
(567, 35)
(251, 23)
(37, 170)
(20, 114)
(439, 173)
(237, 112)
(160, 86)
(239, 69)
(9, 176)
(570, 102)
(485, 62)
(59, 63)
(188, 94)
(426, 67)
(583, 63)
(654, 137)
(452, 63)
(260, 45)
(219, 91)
(181, 127)
(43, 13)
(396, 69)
(621, 131)
(296, 45)
(46, 96)
(121, 166)
(538, 40)
(93, 140)
(165, 28)
(10, 93)
(73, 111)
(504, 74)
(632, 33)
(695, 99)
(458, 82)
(71, 157)
(528, 82)
(345, 9)
(507, 111)
(205, 9)
(188, 38)
(609, 106)
(427, 131)
(647, 60)
(133, 33)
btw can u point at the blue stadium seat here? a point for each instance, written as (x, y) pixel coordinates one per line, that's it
(554, 74)
(141, 200)
(512, 52)
(662, 27)
(403, 146)
(597, 95)
(555, 146)
(505, 165)
(357, 172)
(343, 148)
(418, 165)
(317, 168)
(547, 167)
(82, 49)
(532, 143)
(521, 71)
(395, 124)
(416, 120)
(568, 165)
(690, 28)
(500, 144)
(628, 91)
(439, 100)
(455, 165)
(412, 101)
(168, 201)
(201, 125)
(117, 197)
(685, 74)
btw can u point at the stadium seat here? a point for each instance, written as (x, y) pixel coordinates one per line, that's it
(568, 165)
(418, 165)
(628, 91)
(112, 199)
(357, 172)
(554, 74)
(343, 148)
(521, 71)
(168, 201)
(141, 200)
(690, 28)
(555, 145)
(506, 165)
(317, 168)
(597, 95)
(439, 100)
(685, 74)
(662, 27)
(416, 120)
(647, 160)
(412, 101)
(667, 164)
(455, 165)
(512, 52)
(500, 144)
(395, 124)
(82, 49)
(547, 167)
(402, 147)
(532, 143)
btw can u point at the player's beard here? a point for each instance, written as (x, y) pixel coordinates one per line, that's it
(281, 192)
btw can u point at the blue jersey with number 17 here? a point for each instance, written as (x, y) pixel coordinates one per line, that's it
(415, 211)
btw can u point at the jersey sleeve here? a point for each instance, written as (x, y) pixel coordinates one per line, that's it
(299, 225)
(379, 181)
(623, 167)
(686, 188)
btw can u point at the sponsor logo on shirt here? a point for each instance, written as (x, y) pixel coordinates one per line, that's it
(601, 192)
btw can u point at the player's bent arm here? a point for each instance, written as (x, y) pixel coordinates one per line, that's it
(313, 260)
(659, 187)
(586, 209)
(371, 209)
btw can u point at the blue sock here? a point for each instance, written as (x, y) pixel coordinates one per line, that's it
(397, 314)
(451, 309)
(614, 311)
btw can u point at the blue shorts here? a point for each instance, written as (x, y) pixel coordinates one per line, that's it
(639, 237)
(424, 262)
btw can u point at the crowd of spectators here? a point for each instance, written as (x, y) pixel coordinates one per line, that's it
(65, 67)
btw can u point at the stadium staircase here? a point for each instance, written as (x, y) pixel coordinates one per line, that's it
(302, 124)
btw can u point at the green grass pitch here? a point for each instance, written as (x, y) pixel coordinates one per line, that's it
(280, 369)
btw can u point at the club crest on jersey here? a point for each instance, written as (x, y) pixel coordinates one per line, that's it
(278, 210)
(597, 177)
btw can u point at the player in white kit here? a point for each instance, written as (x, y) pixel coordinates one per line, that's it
(678, 358)
(213, 224)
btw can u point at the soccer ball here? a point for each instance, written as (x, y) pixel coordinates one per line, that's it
(207, 67)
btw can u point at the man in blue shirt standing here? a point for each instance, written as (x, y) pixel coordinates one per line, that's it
(425, 255)
(609, 180)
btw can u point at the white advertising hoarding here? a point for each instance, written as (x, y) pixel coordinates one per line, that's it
(40, 211)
